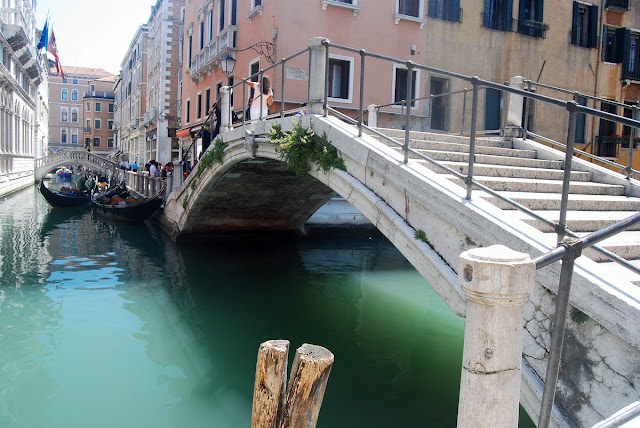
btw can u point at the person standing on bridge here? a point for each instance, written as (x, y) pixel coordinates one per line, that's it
(262, 99)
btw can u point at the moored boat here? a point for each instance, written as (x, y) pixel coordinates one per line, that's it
(120, 203)
(65, 197)
(64, 173)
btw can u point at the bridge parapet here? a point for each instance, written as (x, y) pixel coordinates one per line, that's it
(45, 164)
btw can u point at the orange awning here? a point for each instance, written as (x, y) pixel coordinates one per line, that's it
(183, 132)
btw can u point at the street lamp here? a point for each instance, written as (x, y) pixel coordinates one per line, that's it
(227, 63)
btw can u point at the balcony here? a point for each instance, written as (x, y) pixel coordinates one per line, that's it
(150, 116)
(99, 94)
(87, 130)
(15, 27)
(208, 56)
(617, 5)
(533, 28)
(607, 146)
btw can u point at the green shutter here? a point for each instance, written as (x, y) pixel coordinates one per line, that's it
(521, 17)
(574, 23)
(487, 14)
(432, 8)
(540, 10)
(623, 39)
(508, 15)
(593, 26)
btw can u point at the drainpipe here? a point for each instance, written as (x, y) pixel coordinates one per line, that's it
(595, 85)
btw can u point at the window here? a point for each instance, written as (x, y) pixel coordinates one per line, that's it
(190, 49)
(409, 8)
(606, 146)
(439, 104)
(207, 100)
(340, 78)
(93, 89)
(626, 130)
(608, 44)
(234, 12)
(96, 141)
(98, 106)
(608, 127)
(629, 55)
(64, 114)
(498, 15)
(64, 95)
(530, 18)
(87, 142)
(110, 142)
(63, 136)
(87, 125)
(199, 106)
(110, 124)
(74, 95)
(88, 106)
(221, 11)
(187, 111)
(97, 123)
(210, 26)
(74, 115)
(584, 26)
(400, 85)
(110, 107)
(447, 10)
(74, 136)
(65, 81)
(201, 34)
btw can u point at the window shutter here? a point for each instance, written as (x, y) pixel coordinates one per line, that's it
(455, 12)
(574, 23)
(521, 17)
(623, 37)
(432, 8)
(487, 14)
(540, 10)
(593, 26)
(508, 15)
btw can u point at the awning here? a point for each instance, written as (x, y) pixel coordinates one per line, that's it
(184, 132)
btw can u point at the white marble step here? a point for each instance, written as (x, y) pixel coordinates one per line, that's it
(577, 221)
(622, 273)
(625, 244)
(461, 147)
(399, 134)
(552, 201)
(487, 159)
(506, 184)
(507, 171)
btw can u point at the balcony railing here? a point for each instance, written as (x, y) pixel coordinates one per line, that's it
(532, 28)
(207, 57)
(99, 94)
(87, 130)
(495, 21)
(617, 5)
(607, 146)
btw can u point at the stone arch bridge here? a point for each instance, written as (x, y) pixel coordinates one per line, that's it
(46, 164)
(251, 193)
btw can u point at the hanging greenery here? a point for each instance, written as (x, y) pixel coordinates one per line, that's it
(301, 147)
(209, 158)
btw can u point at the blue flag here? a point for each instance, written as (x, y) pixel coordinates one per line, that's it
(44, 38)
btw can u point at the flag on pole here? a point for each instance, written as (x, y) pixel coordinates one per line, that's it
(44, 38)
(53, 49)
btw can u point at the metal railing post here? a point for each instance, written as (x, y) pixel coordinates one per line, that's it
(572, 108)
(472, 137)
(407, 124)
(362, 57)
(632, 136)
(282, 86)
(326, 80)
(260, 95)
(573, 251)
(464, 110)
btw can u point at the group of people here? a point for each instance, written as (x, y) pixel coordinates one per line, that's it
(155, 169)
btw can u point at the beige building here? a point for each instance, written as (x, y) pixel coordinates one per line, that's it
(98, 109)
(131, 99)
(68, 112)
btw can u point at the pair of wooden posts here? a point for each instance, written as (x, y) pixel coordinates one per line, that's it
(298, 406)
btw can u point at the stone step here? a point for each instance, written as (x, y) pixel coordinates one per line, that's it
(551, 201)
(398, 134)
(487, 159)
(506, 184)
(464, 148)
(577, 221)
(620, 272)
(507, 171)
(625, 244)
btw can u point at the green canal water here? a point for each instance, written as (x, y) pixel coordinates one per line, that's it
(111, 325)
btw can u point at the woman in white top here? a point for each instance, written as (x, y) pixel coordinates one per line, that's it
(262, 97)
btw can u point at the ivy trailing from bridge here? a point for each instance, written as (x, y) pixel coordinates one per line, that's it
(209, 158)
(301, 147)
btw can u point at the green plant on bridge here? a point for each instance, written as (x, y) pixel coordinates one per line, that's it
(209, 158)
(301, 147)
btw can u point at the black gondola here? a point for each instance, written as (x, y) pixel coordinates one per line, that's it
(70, 198)
(137, 211)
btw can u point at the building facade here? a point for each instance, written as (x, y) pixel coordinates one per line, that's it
(23, 95)
(98, 114)
(588, 48)
(131, 99)
(164, 73)
(68, 112)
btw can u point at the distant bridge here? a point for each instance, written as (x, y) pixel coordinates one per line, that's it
(48, 163)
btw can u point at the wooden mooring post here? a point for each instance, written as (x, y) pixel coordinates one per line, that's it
(297, 406)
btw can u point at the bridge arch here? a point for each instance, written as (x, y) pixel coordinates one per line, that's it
(46, 164)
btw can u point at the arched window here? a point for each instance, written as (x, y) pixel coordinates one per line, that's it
(64, 95)
(74, 115)
(64, 115)
(74, 95)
